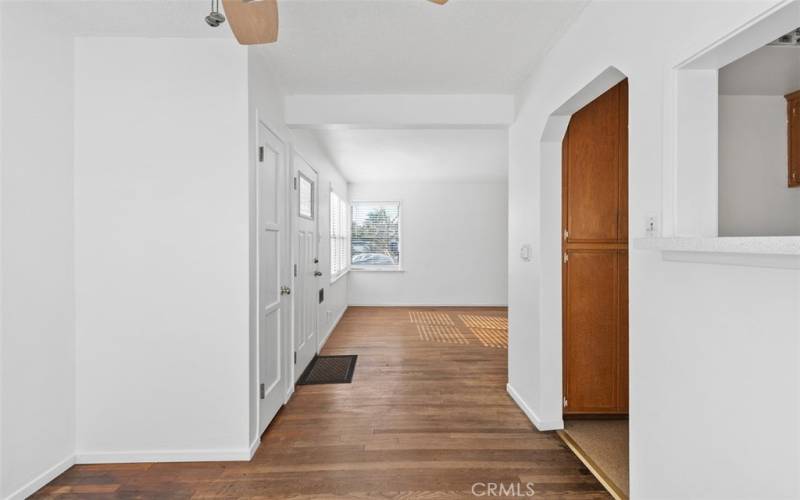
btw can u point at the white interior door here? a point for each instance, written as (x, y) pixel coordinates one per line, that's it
(306, 271)
(273, 273)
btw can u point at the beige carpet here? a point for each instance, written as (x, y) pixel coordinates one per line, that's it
(605, 442)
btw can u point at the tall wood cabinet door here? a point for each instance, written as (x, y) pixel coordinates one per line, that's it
(793, 122)
(592, 174)
(592, 340)
(595, 273)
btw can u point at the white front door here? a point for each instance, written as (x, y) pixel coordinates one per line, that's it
(306, 270)
(273, 273)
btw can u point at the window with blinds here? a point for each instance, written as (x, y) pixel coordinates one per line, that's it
(375, 234)
(339, 240)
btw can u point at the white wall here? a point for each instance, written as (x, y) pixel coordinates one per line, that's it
(37, 381)
(162, 241)
(713, 349)
(163, 237)
(770, 70)
(754, 199)
(160, 193)
(453, 245)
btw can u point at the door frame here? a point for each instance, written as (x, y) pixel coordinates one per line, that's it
(549, 411)
(293, 254)
(287, 325)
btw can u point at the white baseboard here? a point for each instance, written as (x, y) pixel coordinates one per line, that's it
(40, 481)
(127, 457)
(542, 425)
(331, 329)
(289, 393)
(427, 305)
(254, 447)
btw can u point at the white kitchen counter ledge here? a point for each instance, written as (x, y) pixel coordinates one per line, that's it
(776, 251)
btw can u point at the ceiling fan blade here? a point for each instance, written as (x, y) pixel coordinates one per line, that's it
(440, 2)
(253, 21)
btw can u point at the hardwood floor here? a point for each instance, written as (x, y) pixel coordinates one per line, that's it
(426, 416)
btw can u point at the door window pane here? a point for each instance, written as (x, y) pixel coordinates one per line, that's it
(306, 190)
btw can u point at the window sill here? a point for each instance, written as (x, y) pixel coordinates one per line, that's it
(339, 276)
(777, 252)
(377, 269)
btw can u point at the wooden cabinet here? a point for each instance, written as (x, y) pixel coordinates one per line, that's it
(793, 127)
(595, 245)
(596, 333)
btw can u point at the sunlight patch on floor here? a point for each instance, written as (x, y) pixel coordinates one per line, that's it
(440, 333)
(441, 327)
(484, 322)
(430, 318)
(491, 337)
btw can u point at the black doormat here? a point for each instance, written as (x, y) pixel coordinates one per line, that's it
(329, 370)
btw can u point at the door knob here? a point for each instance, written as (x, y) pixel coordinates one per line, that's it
(317, 273)
(285, 290)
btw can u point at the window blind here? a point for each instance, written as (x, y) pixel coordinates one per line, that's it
(375, 234)
(339, 238)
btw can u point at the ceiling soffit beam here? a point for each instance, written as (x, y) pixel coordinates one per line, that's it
(400, 111)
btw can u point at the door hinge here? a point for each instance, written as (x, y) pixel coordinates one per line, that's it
(566, 257)
(295, 183)
(295, 357)
(565, 401)
(262, 391)
(295, 270)
(261, 153)
(566, 234)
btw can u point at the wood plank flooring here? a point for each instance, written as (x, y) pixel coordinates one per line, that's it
(426, 417)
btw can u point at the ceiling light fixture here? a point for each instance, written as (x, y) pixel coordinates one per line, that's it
(215, 18)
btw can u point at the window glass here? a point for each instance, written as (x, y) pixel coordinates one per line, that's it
(375, 234)
(339, 235)
(306, 190)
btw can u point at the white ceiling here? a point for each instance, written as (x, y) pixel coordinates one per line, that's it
(414, 46)
(364, 46)
(376, 47)
(140, 18)
(419, 155)
(771, 70)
